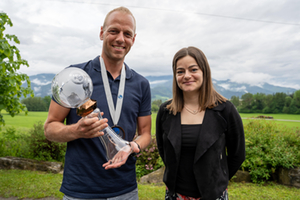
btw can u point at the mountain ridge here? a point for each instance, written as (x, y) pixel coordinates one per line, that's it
(161, 86)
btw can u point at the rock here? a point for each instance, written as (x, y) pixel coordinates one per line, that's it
(241, 176)
(155, 177)
(289, 177)
(29, 164)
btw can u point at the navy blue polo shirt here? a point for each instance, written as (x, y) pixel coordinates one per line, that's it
(84, 176)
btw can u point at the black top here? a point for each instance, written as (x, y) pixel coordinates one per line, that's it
(186, 182)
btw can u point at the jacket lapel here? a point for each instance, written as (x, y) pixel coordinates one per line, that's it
(213, 126)
(174, 133)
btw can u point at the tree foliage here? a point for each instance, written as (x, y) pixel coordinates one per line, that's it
(260, 103)
(37, 103)
(235, 100)
(155, 105)
(10, 81)
(246, 104)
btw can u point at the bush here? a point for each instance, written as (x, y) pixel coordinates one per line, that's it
(12, 144)
(269, 148)
(148, 160)
(33, 145)
(43, 149)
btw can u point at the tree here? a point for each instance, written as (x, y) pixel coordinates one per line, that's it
(258, 102)
(295, 103)
(10, 81)
(267, 102)
(35, 104)
(47, 100)
(155, 105)
(246, 104)
(235, 100)
(286, 108)
(278, 102)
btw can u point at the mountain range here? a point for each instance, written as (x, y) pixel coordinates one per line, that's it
(161, 87)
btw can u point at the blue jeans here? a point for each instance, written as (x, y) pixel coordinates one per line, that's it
(133, 195)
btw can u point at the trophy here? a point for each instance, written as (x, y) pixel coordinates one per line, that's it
(72, 88)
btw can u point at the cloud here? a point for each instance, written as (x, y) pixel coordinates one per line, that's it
(37, 89)
(255, 79)
(248, 42)
(229, 87)
(39, 82)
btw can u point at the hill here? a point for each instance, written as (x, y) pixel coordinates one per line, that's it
(161, 87)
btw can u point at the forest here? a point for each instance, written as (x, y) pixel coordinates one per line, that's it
(260, 103)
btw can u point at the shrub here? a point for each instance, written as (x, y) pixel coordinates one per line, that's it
(269, 148)
(12, 144)
(33, 145)
(148, 160)
(43, 149)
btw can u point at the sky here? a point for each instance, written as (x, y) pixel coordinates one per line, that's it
(245, 41)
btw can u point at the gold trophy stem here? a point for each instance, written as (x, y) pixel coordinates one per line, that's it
(86, 108)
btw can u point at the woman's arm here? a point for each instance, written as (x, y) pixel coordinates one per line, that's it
(235, 140)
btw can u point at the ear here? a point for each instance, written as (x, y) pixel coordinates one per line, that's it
(101, 33)
(133, 39)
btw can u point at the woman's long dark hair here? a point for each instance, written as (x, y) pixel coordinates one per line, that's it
(208, 96)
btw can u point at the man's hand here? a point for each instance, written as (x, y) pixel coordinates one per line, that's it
(55, 129)
(90, 127)
(121, 157)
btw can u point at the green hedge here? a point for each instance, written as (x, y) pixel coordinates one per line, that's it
(31, 145)
(269, 147)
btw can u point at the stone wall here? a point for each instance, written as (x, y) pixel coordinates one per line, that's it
(29, 164)
(156, 177)
(289, 177)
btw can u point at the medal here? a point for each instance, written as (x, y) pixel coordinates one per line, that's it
(119, 130)
(114, 112)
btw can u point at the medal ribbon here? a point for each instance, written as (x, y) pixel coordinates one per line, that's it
(114, 113)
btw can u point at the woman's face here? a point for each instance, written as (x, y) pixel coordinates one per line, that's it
(189, 76)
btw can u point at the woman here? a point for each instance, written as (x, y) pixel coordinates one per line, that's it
(199, 133)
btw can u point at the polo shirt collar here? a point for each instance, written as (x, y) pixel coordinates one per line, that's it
(97, 67)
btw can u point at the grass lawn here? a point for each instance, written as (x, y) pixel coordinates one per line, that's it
(23, 122)
(275, 116)
(280, 119)
(33, 184)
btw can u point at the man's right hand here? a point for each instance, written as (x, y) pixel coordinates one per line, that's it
(56, 130)
(90, 127)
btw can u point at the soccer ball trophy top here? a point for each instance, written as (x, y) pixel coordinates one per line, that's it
(72, 88)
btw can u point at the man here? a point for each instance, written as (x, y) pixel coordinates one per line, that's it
(87, 175)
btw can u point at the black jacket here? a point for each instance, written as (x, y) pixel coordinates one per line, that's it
(219, 153)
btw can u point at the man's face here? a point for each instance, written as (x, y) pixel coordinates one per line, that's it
(118, 36)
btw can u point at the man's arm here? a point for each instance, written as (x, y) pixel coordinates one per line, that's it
(144, 133)
(143, 140)
(56, 130)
